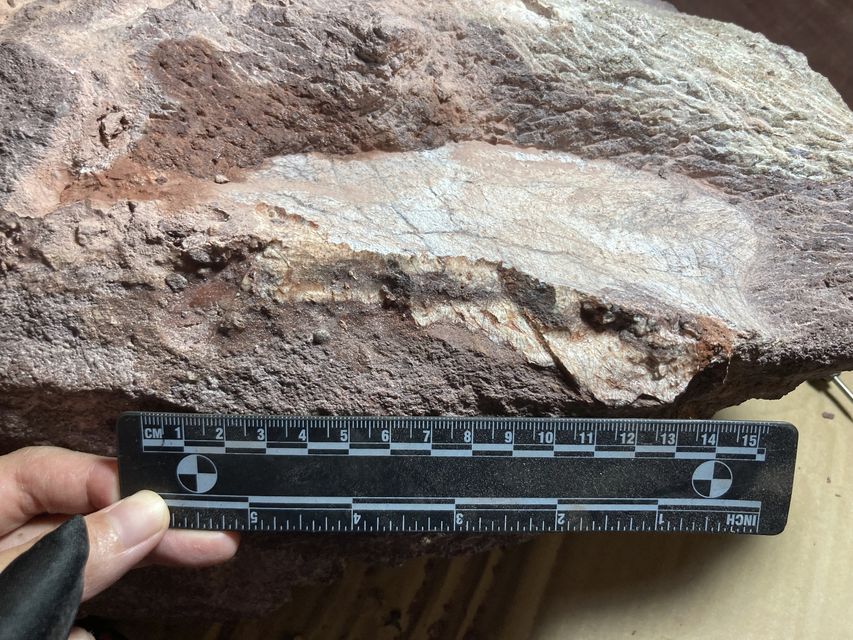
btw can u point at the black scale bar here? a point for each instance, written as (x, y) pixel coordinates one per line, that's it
(443, 474)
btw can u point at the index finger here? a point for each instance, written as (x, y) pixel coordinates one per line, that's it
(37, 480)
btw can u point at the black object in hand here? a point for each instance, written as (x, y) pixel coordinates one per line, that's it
(40, 590)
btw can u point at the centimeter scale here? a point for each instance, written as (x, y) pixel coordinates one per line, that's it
(455, 474)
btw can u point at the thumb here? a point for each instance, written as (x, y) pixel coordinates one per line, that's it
(120, 537)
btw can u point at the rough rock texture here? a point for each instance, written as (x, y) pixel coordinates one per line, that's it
(821, 29)
(526, 207)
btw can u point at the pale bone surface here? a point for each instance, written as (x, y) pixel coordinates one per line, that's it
(532, 208)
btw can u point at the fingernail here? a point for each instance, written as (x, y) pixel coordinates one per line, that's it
(138, 517)
(80, 634)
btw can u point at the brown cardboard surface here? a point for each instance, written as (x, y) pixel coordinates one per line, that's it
(795, 585)
(640, 586)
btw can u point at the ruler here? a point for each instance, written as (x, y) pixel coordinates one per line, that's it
(459, 474)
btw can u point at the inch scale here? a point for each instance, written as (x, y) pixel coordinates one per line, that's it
(446, 474)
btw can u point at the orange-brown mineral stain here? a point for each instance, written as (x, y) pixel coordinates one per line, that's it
(132, 181)
(714, 340)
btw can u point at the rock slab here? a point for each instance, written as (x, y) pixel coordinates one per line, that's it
(516, 208)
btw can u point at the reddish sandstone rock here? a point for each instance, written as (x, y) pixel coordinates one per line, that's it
(528, 208)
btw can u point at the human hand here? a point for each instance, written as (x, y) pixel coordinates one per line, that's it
(40, 485)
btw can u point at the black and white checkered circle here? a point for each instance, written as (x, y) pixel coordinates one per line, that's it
(197, 473)
(712, 478)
